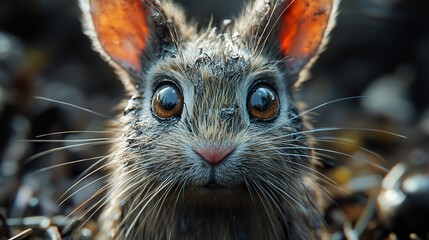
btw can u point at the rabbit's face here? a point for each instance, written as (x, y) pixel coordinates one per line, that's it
(216, 117)
(213, 145)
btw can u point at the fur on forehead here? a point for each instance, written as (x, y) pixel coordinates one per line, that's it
(215, 56)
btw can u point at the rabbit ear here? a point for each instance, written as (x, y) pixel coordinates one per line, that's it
(118, 29)
(126, 32)
(296, 30)
(304, 27)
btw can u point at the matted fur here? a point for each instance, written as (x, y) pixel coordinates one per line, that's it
(157, 188)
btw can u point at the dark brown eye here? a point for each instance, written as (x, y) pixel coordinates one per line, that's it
(262, 103)
(167, 102)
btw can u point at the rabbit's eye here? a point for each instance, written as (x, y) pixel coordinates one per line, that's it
(167, 102)
(262, 103)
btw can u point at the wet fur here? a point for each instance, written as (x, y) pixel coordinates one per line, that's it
(157, 186)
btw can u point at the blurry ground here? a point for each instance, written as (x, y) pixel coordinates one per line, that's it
(380, 49)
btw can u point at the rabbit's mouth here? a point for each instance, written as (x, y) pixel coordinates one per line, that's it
(216, 194)
(213, 184)
(213, 181)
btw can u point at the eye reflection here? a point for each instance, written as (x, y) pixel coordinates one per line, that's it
(262, 102)
(167, 101)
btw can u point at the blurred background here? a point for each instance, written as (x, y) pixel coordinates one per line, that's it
(379, 50)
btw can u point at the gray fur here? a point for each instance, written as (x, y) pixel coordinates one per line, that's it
(156, 189)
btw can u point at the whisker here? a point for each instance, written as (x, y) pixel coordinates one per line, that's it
(330, 139)
(99, 204)
(66, 140)
(249, 187)
(340, 153)
(315, 108)
(106, 198)
(83, 187)
(137, 202)
(314, 173)
(328, 129)
(152, 196)
(269, 193)
(126, 189)
(86, 176)
(158, 204)
(104, 188)
(181, 185)
(78, 107)
(64, 164)
(74, 132)
(345, 142)
(35, 156)
(265, 206)
(99, 191)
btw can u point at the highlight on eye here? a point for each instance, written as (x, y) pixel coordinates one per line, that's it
(167, 101)
(263, 103)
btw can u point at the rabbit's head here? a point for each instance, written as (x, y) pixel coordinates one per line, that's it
(212, 120)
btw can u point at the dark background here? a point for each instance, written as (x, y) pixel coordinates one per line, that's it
(379, 49)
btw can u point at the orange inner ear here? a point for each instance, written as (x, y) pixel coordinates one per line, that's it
(302, 27)
(121, 28)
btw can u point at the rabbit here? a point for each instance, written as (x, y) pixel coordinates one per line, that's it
(212, 143)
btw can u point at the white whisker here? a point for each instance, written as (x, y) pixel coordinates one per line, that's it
(78, 107)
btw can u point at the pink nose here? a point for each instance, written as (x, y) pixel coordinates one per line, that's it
(214, 154)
